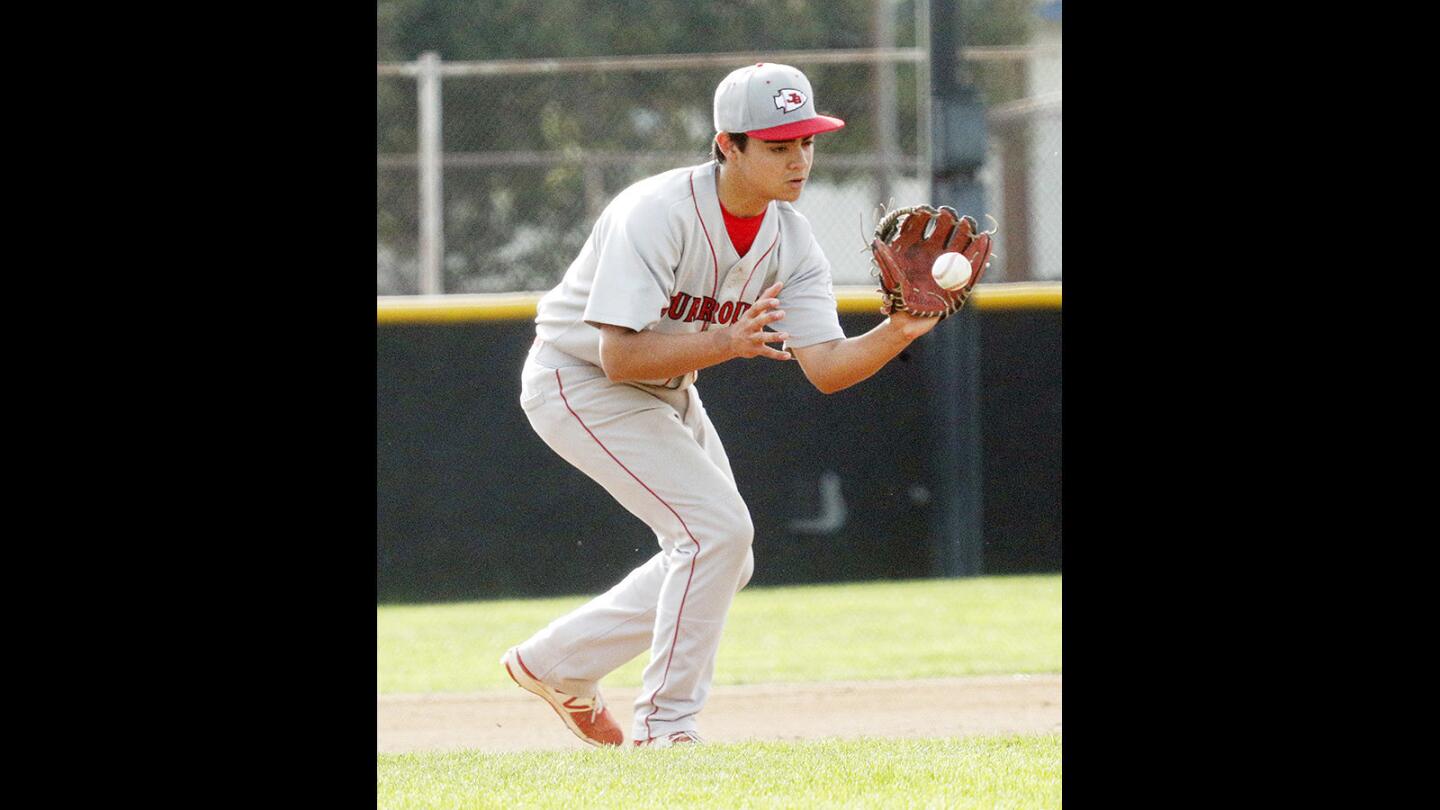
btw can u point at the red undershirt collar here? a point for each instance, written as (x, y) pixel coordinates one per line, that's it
(742, 230)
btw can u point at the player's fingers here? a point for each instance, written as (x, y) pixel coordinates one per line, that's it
(774, 354)
(760, 307)
(754, 345)
(773, 291)
(754, 320)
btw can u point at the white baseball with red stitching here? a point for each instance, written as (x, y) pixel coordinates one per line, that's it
(951, 270)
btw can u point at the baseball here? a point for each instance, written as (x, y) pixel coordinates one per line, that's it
(951, 270)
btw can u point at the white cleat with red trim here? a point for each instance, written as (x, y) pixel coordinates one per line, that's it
(587, 717)
(667, 740)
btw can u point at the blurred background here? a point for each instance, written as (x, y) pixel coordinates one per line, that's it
(503, 128)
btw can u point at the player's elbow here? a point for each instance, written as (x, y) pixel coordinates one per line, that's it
(821, 368)
(825, 383)
(613, 368)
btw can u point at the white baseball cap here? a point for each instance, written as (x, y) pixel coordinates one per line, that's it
(770, 102)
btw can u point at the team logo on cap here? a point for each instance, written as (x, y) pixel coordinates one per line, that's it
(789, 100)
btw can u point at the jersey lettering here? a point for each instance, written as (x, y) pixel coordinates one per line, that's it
(689, 308)
(677, 306)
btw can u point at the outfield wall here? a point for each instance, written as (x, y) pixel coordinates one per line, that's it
(470, 503)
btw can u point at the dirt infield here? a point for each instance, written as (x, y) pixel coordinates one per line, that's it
(514, 720)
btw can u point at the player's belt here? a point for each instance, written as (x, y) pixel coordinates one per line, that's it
(547, 355)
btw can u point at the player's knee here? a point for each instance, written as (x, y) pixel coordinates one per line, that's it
(737, 531)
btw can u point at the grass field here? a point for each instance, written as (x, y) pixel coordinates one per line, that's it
(867, 631)
(989, 772)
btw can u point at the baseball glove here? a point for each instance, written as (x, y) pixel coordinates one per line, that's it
(906, 243)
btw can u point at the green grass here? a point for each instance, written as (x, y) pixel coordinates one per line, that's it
(867, 631)
(990, 772)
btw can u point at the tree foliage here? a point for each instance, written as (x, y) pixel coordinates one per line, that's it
(518, 228)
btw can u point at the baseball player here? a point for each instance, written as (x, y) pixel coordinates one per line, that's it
(682, 271)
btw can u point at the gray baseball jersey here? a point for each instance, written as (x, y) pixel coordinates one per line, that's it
(660, 258)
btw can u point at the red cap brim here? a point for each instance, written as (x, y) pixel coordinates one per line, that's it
(799, 129)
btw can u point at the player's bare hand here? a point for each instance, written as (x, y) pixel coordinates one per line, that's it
(747, 336)
(912, 327)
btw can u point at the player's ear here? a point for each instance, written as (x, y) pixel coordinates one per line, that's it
(723, 146)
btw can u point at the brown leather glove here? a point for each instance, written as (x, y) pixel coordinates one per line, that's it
(904, 248)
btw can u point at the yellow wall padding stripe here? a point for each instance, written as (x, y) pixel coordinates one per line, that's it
(410, 309)
(452, 308)
(1015, 295)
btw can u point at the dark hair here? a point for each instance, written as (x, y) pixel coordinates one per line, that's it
(740, 140)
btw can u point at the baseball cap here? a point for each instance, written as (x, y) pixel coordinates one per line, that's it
(770, 102)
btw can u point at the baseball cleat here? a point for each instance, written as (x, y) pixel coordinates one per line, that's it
(587, 717)
(667, 740)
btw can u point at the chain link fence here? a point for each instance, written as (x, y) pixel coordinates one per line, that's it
(527, 153)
